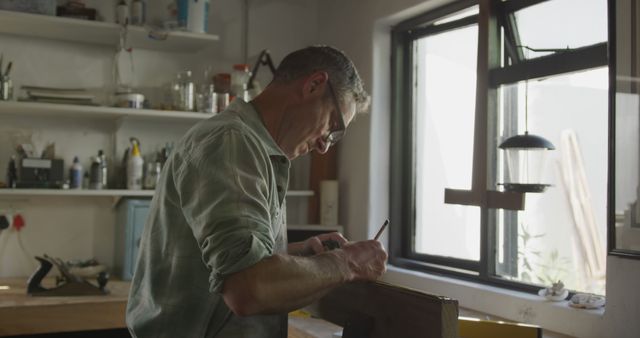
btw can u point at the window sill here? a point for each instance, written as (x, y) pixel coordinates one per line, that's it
(508, 304)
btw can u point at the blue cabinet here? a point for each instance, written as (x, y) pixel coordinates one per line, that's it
(131, 217)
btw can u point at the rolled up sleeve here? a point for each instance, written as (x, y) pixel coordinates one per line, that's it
(224, 187)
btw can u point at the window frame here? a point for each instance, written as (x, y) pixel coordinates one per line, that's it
(613, 89)
(493, 15)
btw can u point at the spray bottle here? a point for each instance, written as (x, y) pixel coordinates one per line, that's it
(75, 174)
(95, 174)
(135, 166)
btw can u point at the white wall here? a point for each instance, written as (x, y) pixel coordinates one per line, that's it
(82, 228)
(361, 28)
(623, 298)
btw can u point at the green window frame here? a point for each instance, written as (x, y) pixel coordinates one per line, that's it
(499, 63)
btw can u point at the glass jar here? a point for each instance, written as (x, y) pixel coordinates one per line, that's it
(206, 100)
(152, 175)
(6, 88)
(184, 92)
(239, 80)
(222, 84)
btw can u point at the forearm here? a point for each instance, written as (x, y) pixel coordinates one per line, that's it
(282, 283)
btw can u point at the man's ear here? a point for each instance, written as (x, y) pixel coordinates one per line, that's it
(315, 83)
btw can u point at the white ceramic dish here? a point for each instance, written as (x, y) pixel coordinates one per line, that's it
(546, 293)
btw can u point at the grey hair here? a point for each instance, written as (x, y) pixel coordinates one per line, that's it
(342, 72)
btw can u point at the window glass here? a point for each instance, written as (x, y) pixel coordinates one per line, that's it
(561, 234)
(566, 24)
(445, 70)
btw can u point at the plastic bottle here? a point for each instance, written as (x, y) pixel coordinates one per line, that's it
(85, 180)
(75, 174)
(103, 168)
(135, 167)
(239, 79)
(138, 12)
(122, 13)
(12, 173)
(193, 15)
(95, 174)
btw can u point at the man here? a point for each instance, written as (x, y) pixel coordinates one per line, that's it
(213, 259)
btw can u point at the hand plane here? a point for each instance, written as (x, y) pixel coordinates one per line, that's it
(66, 285)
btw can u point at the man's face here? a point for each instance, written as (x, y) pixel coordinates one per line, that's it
(314, 119)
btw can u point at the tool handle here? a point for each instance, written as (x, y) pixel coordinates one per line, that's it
(33, 284)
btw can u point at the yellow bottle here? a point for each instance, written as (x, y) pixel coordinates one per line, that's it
(135, 165)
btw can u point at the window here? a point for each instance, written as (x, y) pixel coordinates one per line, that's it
(444, 92)
(452, 110)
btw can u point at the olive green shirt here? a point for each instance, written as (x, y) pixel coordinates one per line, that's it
(218, 209)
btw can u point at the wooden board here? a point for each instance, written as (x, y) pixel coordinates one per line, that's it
(392, 311)
(23, 314)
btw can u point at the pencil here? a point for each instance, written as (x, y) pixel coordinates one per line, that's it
(384, 226)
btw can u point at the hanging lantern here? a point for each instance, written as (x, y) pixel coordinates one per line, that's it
(526, 157)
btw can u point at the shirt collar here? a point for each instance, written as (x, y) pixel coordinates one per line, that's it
(251, 117)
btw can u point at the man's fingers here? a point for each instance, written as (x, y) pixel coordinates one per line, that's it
(336, 236)
(315, 244)
(368, 259)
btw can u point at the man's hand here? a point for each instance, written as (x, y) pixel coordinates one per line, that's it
(281, 283)
(313, 246)
(367, 260)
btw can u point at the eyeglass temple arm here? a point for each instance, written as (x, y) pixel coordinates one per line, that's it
(263, 59)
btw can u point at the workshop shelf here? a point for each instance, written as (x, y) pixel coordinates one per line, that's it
(105, 192)
(69, 110)
(300, 193)
(76, 192)
(101, 33)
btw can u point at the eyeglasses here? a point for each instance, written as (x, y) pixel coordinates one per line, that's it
(335, 135)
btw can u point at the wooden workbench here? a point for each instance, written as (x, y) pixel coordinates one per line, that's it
(22, 314)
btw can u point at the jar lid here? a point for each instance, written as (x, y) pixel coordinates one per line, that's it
(130, 96)
(184, 74)
(241, 66)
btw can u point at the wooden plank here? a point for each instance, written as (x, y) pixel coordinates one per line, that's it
(392, 311)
